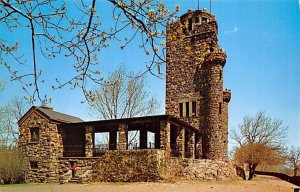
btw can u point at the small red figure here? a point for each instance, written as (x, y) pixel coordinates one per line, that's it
(73, 169)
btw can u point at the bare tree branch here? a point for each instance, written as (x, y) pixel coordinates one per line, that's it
(293, 158)
(74, 30)
(121, 97)
(260, 139)
(9, 116)
(260, 129)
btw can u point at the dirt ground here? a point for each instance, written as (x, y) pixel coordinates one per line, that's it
(258, 184)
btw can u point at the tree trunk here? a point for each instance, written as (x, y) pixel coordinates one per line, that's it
(252, 168)
(295, 171)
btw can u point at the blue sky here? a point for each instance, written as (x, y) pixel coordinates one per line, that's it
(262, 41)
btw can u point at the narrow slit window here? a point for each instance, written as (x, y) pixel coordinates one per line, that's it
(194, 108)
(181, 109)
(220, 108)
(190, 24)
(187, 109)
(220, 74)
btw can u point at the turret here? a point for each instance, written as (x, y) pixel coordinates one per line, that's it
(215, 137)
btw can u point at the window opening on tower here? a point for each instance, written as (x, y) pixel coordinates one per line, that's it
(187, 109)
(190, 27)
(181, 109)
(194, 108)
(220, 74)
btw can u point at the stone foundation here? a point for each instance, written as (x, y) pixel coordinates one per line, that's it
(153, 165)
(130, 166)
(206, 169)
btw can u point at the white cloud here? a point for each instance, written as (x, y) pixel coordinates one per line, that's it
(235, 29)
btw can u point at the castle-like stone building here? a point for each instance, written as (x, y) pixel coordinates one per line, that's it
(195, 92)
(190, 141)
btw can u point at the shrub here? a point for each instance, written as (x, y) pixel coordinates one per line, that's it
(12, 165)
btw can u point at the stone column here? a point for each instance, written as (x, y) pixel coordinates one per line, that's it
(198, 146)
(191, 144)
(89, 131)
(123, 136)
(53, 149)
(165, 129)
(112, 140)
(143, 139)
(157, 140)
(180, 141)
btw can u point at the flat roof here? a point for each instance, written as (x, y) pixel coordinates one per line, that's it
(133, 120)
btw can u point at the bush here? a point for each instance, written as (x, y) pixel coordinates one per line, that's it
(12, 165)
(256, 154)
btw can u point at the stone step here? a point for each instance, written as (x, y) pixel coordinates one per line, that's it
(74, 180)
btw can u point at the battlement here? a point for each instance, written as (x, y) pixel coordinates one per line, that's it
(216, 57)
(227, 95)
(197, 17)
(199, 22)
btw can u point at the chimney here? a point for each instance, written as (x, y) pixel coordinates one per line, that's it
(44, 106)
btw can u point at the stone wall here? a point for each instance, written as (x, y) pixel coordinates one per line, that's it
(202, 169)
(130, 166)
(43, 152)
(83, 164)
(154, 165)
(291, 179)
(84, 167)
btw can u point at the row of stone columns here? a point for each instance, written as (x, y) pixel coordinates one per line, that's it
(185, 140)
(123, 139)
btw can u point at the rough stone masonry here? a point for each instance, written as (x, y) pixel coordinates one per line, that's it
(194, 87)
(190, 141)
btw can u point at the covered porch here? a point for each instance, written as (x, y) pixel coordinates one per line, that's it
(164, 132)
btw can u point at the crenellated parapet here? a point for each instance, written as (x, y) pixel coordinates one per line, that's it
(227, 95)
(216, 57)
(199, 22)
(203, 15)
(198, 25)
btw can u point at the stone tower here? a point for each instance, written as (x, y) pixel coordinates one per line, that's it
(194, 80)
